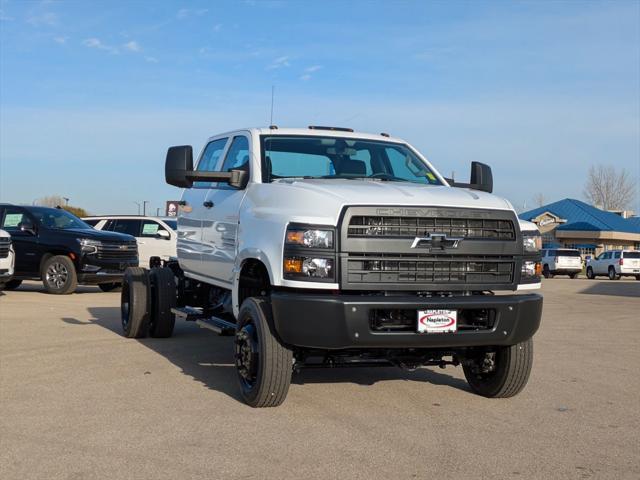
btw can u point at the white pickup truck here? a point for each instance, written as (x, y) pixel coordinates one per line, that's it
(324, 247)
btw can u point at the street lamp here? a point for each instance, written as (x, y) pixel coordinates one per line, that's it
(137, 203)
(144, 207)
(66, 201)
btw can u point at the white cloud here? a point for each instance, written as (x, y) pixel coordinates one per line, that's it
(132, 46)
(312, 68)
(189, 12)
(60, 40)
(47, 19)
(151, 59)
(279, 62)
(97, 44)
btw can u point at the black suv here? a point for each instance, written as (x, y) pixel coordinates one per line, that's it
(53, 245)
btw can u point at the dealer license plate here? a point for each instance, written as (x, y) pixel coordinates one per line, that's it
(437, 321)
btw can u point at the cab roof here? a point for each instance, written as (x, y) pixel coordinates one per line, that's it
(315, 131)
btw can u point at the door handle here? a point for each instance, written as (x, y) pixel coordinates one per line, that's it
(207, 204)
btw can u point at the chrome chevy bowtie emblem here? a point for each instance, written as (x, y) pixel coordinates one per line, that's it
(436, 241)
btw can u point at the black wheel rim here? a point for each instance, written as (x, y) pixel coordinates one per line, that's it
(57, 275)
(247, 354)
(125, 301)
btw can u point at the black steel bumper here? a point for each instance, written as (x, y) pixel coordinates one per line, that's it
(338, 322)
(93, 271)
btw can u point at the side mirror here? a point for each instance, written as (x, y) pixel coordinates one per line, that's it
(178, 165)
(26, 228)
(178, 171)
(163, 234)
(481, 177)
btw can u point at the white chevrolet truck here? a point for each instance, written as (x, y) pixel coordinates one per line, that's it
(323, 247)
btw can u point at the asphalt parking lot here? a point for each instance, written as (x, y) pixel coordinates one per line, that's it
(79, 401)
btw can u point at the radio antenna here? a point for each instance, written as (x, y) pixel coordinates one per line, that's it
(273, 88)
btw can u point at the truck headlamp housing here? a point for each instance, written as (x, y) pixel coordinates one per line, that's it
(309, 253)
(309, 237)
(88, 245)
(532, 242)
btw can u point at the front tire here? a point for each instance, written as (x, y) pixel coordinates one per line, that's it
(163, 299)
(264, 365)
(509, 376)
(134, 303)
(590, 274)
(59, 275)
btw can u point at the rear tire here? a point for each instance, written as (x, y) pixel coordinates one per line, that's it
(612, 274)
(637, 277)
(134, 303)
(264, 365)
(59, 275)
(511, 373)
(573, 275)
(590, 274)
(163, 299)
(108, 287)
(11, 284)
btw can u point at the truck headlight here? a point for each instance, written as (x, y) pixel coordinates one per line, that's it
(309, 237)
(308, 268)
(532, 242)
(88, 245)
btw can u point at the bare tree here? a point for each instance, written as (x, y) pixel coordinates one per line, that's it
(539, 200)
(51, 201)
(608, 188)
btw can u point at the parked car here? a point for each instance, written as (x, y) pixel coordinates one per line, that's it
(325, 247)
(561, 261)
(615, 264)
(156, 236)
(58, 248)
(7, 259)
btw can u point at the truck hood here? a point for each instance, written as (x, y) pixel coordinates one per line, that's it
(97, 235)
(322, 200)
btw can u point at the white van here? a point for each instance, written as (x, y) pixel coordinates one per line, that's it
(156, 236)
(561, 261)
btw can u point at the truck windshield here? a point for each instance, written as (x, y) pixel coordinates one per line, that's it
(58, 219)
(331, 157)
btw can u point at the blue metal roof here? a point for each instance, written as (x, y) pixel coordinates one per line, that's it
(584, 217)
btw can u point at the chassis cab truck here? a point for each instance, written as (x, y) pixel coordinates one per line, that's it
(324, 247)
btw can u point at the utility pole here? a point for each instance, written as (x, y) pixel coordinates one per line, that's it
(144, 207)
(157, 211)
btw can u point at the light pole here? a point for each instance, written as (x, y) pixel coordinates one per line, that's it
(144, 207)
(66, 201)
(137, 203)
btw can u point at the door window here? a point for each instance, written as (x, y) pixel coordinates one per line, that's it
(128, 226)
(14, 219)
(209, 160)
(150, 229)
(616, 255)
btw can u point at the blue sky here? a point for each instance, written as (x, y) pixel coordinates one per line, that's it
(93, 93)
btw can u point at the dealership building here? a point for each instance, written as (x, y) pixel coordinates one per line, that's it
(571, 223)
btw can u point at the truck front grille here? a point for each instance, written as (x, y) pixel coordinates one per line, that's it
(126, 251)
(426, 269)
(5, 243)
(378, 226)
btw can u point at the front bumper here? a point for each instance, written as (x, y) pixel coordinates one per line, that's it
(94, 271)
(339, 322)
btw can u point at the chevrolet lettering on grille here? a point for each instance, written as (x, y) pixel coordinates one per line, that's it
(436, 241)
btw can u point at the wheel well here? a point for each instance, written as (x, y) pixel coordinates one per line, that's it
(53, 253)
(254, 280)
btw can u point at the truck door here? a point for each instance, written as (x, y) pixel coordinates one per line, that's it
(221, 223)
(23, 230)
(193, 211)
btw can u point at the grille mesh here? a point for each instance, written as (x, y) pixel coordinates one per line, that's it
(118, 251)
(411, 269)
(375, 226)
